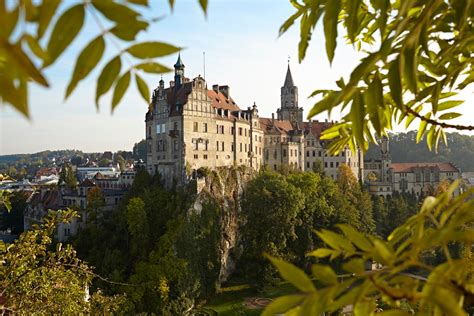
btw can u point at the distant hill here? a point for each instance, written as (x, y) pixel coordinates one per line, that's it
(403, 148)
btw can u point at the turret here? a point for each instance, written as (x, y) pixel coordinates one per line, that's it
(178, 72)
(289, 109)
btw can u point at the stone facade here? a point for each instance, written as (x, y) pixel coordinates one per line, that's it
(189, 126)
(384, 177)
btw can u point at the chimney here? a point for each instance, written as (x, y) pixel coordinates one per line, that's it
(273, 118)
(215, 88)
(325, 120)
(225, 91)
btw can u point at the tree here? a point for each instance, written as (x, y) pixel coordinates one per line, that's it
(13, 218)
(37, 280)
(270, 202)
(19, 65)
(139, 150)
(138, 226)
(356, 197)
(67, 176)
(418, 57)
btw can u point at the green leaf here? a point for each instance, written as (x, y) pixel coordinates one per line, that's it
(9, 21)
(450, 116)
(356, 265)
(282, 304)
(430, 136)
(395, 83)
(153, 67)
(364, 308)
(128, 32)
(23, 63)
(326, 104)
(330, 20)
(321, 253)
(151, 50)
(120, 89)
(448, 105)
(307, 23)
(45, 14)
(409, 62)
(357, 117)
(139, 2)
(107, 77)
(143, 88)
(383, 253)
(293, 274)
(435, 97)
(16, 96)
(203, 4)
(422, 128)
(352, 9)
(356, 237)
(324, 273)
(115, 11)
(288, 23)
(66, 29)
(35, 47)
(87, 60)
(335, 240)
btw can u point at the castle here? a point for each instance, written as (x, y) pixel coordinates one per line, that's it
(383, 178)
(189, 126)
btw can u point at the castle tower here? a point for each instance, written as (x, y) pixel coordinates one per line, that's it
(289, 109)
(178, 72)
(385, 160)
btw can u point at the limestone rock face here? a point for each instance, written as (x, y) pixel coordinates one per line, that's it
(225, 186)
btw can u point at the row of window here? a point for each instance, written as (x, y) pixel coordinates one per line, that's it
(220, 129)
(220, 146)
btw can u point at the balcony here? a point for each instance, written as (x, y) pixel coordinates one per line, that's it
(174, 133)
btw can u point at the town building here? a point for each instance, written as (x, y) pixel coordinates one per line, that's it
(420, 178)
(46, 198)
(189, 126)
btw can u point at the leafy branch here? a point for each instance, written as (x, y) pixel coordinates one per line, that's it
(405, 275)
(416, 54)
(24, 57)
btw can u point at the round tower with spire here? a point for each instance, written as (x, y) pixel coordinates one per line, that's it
(289, 109)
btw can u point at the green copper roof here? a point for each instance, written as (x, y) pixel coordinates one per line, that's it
(179, 62)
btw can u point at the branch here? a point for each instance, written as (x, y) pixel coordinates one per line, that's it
(435, 122)
(98, 276)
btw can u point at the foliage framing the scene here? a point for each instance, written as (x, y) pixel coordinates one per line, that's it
(36, 279)
(418, 57)
(34, 34)
(431, 289)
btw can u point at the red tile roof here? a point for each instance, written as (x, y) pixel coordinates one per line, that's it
(316, 128)
(275, 127)
(220, 101)
(410, 166)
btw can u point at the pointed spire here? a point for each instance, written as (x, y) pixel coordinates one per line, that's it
(288, 78)
(179, 62)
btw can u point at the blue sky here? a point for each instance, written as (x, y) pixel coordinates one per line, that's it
(240, 38)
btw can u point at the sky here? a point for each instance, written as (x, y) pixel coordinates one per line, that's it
(242, 50)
